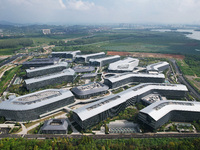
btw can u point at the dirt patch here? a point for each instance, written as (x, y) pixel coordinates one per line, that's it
(136, 54)
(5, 56)
(21, 60)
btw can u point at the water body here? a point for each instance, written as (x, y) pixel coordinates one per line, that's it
(192, 34)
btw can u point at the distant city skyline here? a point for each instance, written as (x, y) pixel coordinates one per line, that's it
(100, 11)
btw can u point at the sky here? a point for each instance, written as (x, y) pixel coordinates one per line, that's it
(101, 11)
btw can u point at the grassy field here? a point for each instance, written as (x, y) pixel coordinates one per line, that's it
(120, 40)
(190, 68)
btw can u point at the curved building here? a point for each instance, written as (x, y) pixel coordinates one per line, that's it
(125, 78)
(40, 71)
(126, 65)
(111, 106)
(89, 90)
(159, 113)
(157, 67)
(51, 79)
(31, 106)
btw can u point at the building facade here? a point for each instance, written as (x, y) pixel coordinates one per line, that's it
(67, 54)
(40, 71)
(40, 62)
(89, 90)
(66, 75)
(104, 61)
(126, 78)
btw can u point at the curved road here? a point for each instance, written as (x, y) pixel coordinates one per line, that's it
(183, 81)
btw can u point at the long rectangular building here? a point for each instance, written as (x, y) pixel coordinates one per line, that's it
(111, 106)
(104, 61)
(31, 106)
(40, 62)
(159, 113)
(85, 58)
(40, 71)
(66, 54)
(51, 79)
(125, 78)
(125, 65)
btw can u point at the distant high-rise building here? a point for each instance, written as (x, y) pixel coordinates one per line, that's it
(46, 31)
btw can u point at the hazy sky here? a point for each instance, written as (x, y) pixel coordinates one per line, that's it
(101, 11)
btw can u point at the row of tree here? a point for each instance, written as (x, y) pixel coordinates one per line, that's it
(14, 43)
(88, 143)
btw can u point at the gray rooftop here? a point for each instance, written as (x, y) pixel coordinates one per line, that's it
(89, 75)
(93, 87)
(42, 61)
(47, 67)
(55, 124)
(74, 53)
(109, 102)
(80, 68)
(34, 100)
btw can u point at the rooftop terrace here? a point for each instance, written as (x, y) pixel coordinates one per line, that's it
(38, 97)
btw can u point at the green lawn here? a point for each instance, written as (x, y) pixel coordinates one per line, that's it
(135, 41)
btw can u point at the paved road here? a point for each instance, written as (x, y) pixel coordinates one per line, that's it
(183, 81)
(109, 136)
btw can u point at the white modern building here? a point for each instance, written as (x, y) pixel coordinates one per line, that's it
(32, 106)
(111, 106)
(85, 58)
(160, 112)
(126, 65)
(157, 67)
